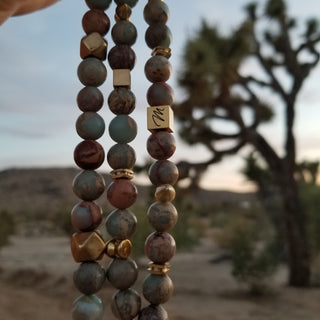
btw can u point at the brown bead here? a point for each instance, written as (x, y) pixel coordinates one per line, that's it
(161, 145)
(162, 216)
(93, 45)
(158, 69)
(122, 57)
(121, 156)
(122, 101)
(158, 35)
(160, 94)
(89, 155)
(163, 172)
(90, 99)
(153, 312)
(122, 193)
(95, 21)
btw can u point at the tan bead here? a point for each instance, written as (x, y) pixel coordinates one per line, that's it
(161, 51)
(160, 117)
(158, 269)
(118, 248)
(122, 78)
(93, 45)
(123, 12)
(122, 174)
(87, 246)
(165, 193)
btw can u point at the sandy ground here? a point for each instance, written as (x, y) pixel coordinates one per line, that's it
(36, 273)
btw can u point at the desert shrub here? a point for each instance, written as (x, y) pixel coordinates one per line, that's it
(7, 226)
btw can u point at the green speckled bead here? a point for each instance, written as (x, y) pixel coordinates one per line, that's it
(160, 94)
(124, 32)
(122, 273)
(158, 35)
(98, 4)
(163, 172)
(90, 126)
(121, 224)
(122, 101)
(122, 129)
(126, 304)
(156, 11)
(153, 312)
(90, 99)
(89, 277)
(121, 156)
(158, 69)
(161, 145)
(157, 289)
(87, 308)
(88, 155)
(130, 3)
(92, 72)
(88, 185)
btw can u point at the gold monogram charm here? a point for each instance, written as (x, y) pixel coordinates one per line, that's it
(160, 117)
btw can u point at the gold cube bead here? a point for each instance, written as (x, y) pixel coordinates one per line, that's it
(121, 174)
(87, 246)
(93, 45)
(158, 269)
(160, 117)
(118, 248)
(122, 78)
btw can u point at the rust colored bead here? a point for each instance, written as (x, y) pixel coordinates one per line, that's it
(161, 145)
(89, 155)
(92, 72)
(95, 21)
(165, 193)
(160, 247)
(160, 94)
(90, 99)
(156, 11)
(122, 101)
(158, 69)
(98, 4)
(158, 35)
(124, 32)
(123, 12)
(121, 156)
(163, 172)
(122, 57)
(162, 216)
(122, 193)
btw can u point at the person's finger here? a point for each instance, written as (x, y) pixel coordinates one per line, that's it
(28, 6)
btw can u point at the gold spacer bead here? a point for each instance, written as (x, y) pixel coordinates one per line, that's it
(123, 12)
(161, 51)
(165, 193)
(158, 269)
(121, 174)
(122, 78)
(118, 248)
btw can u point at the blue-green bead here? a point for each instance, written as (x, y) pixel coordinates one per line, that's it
(87, 308)
(122, 129)
(126, 304)
(98, 4)
(156, 11)
(158, 35)
(130, 3)
(92, 72)
(124, 33)
(90, 126)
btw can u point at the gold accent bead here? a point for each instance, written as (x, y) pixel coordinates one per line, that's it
(165, 193)
(158, 269)
(118, 248)
(160, 117)
(161, 51)
(122, 78)
(123, 12)
(121, 174)
(87, 246)
(93, 45)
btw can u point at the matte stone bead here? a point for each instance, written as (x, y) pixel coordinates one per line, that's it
(160, 247)
(88, 185)
(156, 11)
(160, 94)
(95, 21)
(90, 99)
(122, 101)
(122, 193)
(153, 312)
(161, 145)
(130, 3)
(90, 126)
(124, 32)
(126, 304)
(89, 277)
(92, 72)
(163, 172)
(165, 193)
(158, 69)
(122, 273)
(122, 57)
(121, 224)
(86, 216)
(88, 308)
(98, 4)
(89, 155)
(121, 156)
(157, 289)
(162, 216)
(158, 35)
(122, 129)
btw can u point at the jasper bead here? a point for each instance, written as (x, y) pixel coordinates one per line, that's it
(90, 99)
(122, 273)
(163, 172)
(160, 94)
(88, 307)
(122, 57)
(121, 224)
(153, 312)
(158, 69)
(122, 129)
(98, 4)
(121, 156)
(156, 11)
(89, 155)
(130, 3)
(86, 216)
(162, 216)
(126, 304)
(92, 72)
(89, 277)
(165, 193)
(122, 101)
(158, 35)
(160, 247)
(90, 126)
(122, 193)
(95, 21)
(161, 145)
(157, 289)
(124, 32)
(88, 185)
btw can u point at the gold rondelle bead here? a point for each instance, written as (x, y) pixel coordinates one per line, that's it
(165, 193)
(118, 248)
(123, 12)
(158, 269)
(121, 174)
(161, 51)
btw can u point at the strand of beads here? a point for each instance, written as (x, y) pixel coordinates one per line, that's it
(87, 245)
(159, 246)
(121, 223)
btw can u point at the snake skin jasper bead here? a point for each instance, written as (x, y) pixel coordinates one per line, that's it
(157, 289)
(88, 185)
(153, 312)
(122, 193)
(121, 224)
(124, 32)
(98, 4)
(90, 126)
(90, 99)
(130, 3)
(122, 57)
(158, 35)
(88, 307)
(122, 129)
(163, 172)
(86, 216)
(122, 101)
(158, 69)
(160, 94)
(121, 156)
(88, 155)
(162, 216)
(126, 304)
(89, 277)
(156, 11)
(122, 273)
(161, 145)
(92, 72)
(95, 21)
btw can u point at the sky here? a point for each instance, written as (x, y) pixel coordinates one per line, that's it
(38, 86)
